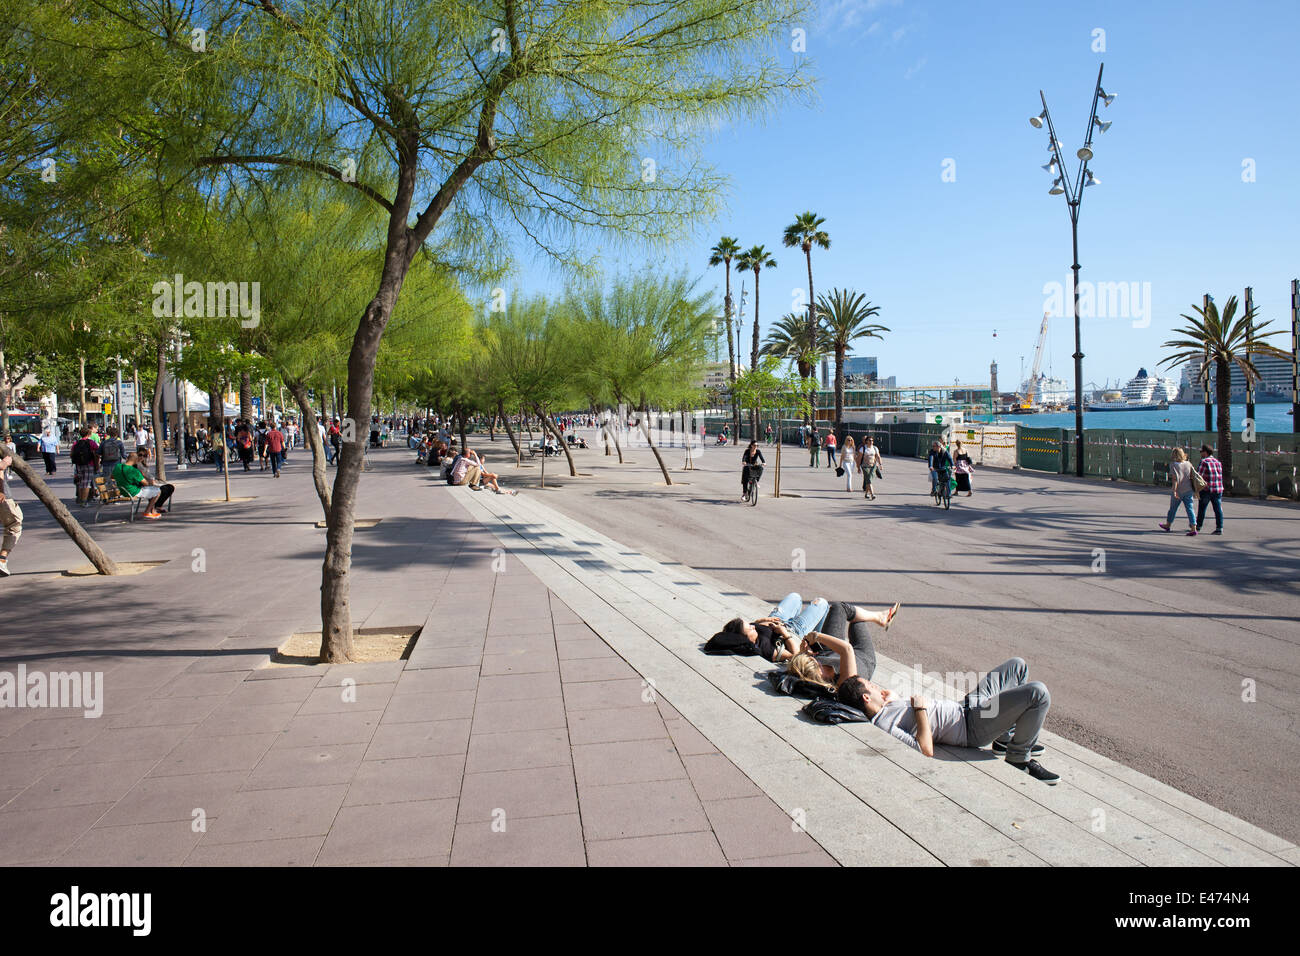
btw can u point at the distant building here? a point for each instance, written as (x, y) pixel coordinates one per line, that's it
(826, 371)
(716, 375)
(1273, 386)
(861, 365)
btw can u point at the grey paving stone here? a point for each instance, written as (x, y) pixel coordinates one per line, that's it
(70, 786)
(375, 672)
(524, 841)
(813, 858)
(201, 685)
(55, 733)
(641, 809)
(502, 716)
(255, 693)
(438, 680)
(143, 844)
(630, 761)
(166, 711)
(386, 833)
(35, 836)
(169, 799)
(716, 778)
(518, 750)
(687, 739)
(441, 705)
(466, 656)
(588, 669)
(520, 687)
(283, 767)
(343, 700)
(276, 814)
(601, 695)
(230, 661)
(573, 649)
(300, 851)
(407, 778)
(614, 724)
(425, 738)
(233, 719)
(672, 849)
(540, 792)
(751, 827)
(541, 661)
(23, 768)
(214, 754)
(131, 743)
(316, 730)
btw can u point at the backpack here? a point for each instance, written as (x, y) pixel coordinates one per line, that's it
(81, 453)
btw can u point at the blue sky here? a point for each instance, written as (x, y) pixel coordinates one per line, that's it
(904, 86)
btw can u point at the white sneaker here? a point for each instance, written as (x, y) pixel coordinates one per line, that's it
(4, 567)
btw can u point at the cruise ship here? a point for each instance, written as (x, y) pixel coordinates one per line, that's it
(1144, 392)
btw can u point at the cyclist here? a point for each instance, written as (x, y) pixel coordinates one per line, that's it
(752, 464)
(940, 466)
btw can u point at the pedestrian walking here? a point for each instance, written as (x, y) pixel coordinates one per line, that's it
(11, 515)
(275, 446)
(869, 463)
(769, 434)
(244, 444)
(1180, 477)
(1211, 470)
(847, 463)
(141, 437)
(84, 455)
(814, 447)
(830, 449)
(49, 449)
(962, 469)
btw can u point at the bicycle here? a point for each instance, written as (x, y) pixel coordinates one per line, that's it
(942, 489)
(751, 486)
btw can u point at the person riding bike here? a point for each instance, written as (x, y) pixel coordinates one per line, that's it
(751, 466)
(940, 466)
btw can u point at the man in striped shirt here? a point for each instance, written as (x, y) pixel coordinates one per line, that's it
(1211, 470)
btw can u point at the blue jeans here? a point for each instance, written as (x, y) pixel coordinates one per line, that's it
(1215, 499)
(277, 459)
(802, 620)
(1186, 502)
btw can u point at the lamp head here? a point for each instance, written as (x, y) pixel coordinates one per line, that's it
(1084, 153)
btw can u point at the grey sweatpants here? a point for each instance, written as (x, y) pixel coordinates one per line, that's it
(1004, 702)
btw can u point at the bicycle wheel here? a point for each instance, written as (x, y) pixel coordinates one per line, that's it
(947, 498)
(753, 494)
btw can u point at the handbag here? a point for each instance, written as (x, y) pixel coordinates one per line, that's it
(1199, 484)
(839, 471)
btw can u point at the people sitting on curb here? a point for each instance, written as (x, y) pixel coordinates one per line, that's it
(131, 480)
(1006, 710)
(467, 469)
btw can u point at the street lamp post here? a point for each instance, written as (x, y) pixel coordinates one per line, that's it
(1073, 192)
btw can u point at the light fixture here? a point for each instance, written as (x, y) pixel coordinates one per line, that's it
(1092, 180)
(1084, 153)
(1104, 98)
(1056, 189)
(1037, 121)
(1053, 144)
(1100, 125)
(1050, 167)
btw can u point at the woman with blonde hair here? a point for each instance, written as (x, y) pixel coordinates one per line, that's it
(848, 461)
(846, 640)
(1180, 478)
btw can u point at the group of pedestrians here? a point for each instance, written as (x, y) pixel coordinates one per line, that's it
(1205, 481)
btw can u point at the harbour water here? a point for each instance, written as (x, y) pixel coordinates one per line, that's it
(1272, 417)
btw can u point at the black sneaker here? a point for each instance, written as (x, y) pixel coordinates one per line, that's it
(1038, 772)
(1035, 751)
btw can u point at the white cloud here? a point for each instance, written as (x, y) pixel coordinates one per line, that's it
(914, 69)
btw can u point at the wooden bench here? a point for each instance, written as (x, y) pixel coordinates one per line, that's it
(108, 493)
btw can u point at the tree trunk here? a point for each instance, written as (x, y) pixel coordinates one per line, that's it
(753, 363)
(549, 427)
(312, 434)
(645, 428)
(731, 354)
(81, 389)
(216, 414)
(80, 537)
(245, 396)
(459, 411)
(1223, 396)
(505, 420)
(839, 393)
(225, 449)
(159, 466)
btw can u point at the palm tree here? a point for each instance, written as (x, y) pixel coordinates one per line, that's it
(722, 254)
(1214, 337)
(806, 232)
(756, 258)
(788, 339)
(844, 316)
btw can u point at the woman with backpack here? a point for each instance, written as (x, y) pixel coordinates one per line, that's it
(244, 444)
(84, 456)
(111, 451)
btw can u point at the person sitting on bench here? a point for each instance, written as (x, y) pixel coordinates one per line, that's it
(131, 480)
(1005, 710)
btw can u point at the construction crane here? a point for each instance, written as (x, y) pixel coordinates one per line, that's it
(1031, 392)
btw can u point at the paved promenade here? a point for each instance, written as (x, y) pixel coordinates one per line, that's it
(1153, 644)
(513, 735)
(557, 708)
